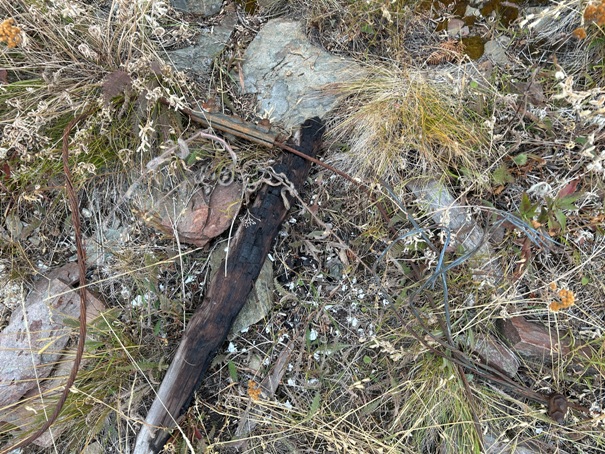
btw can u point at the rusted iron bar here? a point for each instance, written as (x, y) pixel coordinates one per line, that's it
(232, 125)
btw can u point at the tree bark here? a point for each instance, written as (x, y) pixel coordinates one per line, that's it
(225, 296)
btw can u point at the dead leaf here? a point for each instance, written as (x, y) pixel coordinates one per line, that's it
(533, 91)
(524, 260)
(557, 407)
(115, 84)
(569, 189)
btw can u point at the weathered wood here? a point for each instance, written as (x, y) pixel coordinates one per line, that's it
(226, 294)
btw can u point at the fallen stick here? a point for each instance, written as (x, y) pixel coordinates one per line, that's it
(225, 296)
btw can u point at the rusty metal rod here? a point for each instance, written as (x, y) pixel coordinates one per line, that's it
(231, 125)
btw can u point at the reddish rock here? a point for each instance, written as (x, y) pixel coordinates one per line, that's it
(202, 218)
(33, 349)
(534, 341)
(494, 354)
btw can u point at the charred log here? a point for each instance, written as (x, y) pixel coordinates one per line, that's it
(225, 296)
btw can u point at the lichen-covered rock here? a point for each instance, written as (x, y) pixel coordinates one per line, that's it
(287, 73)
(198, 57)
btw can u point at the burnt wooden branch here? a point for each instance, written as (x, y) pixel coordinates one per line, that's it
(225, 296)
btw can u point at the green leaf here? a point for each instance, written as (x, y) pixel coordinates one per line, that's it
(585, 280)
(561, 219)
(93, 345)
(527, 209)
(232, 371)
(581, 140)
(157, 328)
(328, 349)
(191, 159)
(314, 405)
(502, 175)
(395, 219)
(368, 29)
(367, 359)
(71, 322)
(568, 202)
(520, 159)
(370, 408)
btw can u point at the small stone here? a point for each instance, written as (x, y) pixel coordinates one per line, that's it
(531, 340)
(470, 11)
(454, 26)
(494, 354)
(496, 52)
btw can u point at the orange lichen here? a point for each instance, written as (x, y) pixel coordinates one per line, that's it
(579, 33)
(10, 33)
(254, 390)
(595, 13)
(553, 286)
(568, 299)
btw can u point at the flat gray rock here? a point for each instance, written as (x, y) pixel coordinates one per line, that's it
(287, 73)
(33, 342)
(204, 7)
(198, 57)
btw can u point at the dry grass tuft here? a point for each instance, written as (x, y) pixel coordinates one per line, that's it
(396, 122)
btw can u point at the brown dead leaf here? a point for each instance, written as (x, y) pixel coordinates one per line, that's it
(535, 224)
(523, 262)
(115, 84)
(533, 91)
(569, 189)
